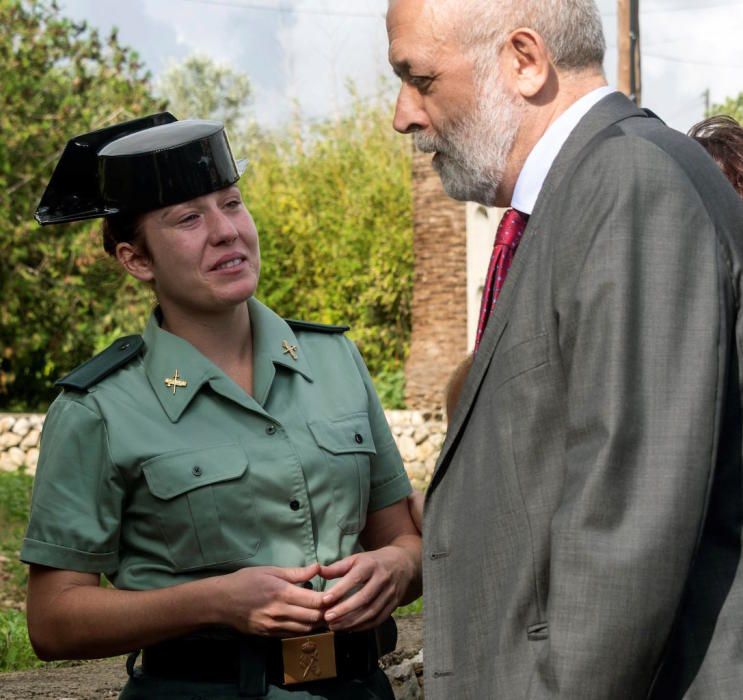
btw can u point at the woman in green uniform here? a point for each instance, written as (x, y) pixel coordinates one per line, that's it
(230, 473)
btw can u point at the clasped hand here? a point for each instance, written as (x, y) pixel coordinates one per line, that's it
(271, 601)
(370, 586)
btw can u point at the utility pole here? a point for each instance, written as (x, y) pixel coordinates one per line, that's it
(629, 78)
(706, 97)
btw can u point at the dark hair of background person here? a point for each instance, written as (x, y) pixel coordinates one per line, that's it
(722, 137)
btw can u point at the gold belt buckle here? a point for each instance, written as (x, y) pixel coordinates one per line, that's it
(310, 658)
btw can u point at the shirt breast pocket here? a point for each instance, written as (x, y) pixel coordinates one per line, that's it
(203, 503)
(348, 445)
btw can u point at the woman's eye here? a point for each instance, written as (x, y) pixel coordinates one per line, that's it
(188, 218)
(233, 204)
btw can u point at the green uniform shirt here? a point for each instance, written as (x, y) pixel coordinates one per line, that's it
(154, 484)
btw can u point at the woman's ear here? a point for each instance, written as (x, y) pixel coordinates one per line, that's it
(135, 261)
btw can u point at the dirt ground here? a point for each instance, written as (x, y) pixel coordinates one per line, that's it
(98, 680)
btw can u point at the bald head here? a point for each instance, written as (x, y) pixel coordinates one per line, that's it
(571, 29)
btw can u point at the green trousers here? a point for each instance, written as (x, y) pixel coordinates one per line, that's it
(142, 687)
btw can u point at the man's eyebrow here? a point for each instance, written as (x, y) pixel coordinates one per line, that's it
(400, 68)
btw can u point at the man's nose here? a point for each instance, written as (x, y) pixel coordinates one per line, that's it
(410, 116)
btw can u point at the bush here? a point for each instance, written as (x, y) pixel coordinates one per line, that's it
(16, 653)
(333, 208)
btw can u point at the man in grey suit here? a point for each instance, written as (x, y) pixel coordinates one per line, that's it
(583, 527)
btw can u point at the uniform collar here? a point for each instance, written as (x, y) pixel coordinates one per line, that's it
(166, 353)
(272, 340)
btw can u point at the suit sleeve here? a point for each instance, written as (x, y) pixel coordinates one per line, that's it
(644, 336)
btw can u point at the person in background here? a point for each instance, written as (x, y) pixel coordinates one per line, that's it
(583, 527)
(722, 137)
(229, 472)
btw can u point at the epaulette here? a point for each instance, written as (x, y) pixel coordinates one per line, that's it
(104, 363)
(318, 327)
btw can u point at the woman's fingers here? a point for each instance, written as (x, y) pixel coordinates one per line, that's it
(338, 568)
(366, 616)
(296, 574)
(298, 614)
(366, 596)
(357, 575)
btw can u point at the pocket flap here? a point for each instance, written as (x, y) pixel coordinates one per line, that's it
(175, 473)
(344, 435)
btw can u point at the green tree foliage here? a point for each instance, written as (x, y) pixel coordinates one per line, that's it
(199, 88)
(58, 78)
(332, 203)
(333, 209)
(732, 106)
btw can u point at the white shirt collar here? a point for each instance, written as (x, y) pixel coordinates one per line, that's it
(539, 162)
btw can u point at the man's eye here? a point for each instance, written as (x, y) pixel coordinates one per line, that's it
(421, 82)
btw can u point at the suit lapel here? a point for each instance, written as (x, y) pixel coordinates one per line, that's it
(612, 109)
(490, 339)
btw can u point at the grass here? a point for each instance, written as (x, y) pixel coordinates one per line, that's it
(15, 648)
(16, 653)
(414, 608)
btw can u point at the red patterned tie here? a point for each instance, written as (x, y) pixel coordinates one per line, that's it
(507, 239)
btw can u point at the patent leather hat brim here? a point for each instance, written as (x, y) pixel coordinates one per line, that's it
(73, 192)
(137, 167)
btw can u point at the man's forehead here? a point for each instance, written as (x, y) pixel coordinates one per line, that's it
(412, 30)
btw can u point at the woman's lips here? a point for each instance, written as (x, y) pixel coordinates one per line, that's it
(228, 263)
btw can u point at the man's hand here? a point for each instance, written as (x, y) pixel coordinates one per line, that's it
(372, 584)
(270, 600)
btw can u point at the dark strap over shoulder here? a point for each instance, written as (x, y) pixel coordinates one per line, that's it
(318, 327)
(116, 355)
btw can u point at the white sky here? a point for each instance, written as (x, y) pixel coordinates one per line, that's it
(302, 52)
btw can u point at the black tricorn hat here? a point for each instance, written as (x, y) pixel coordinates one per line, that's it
(138, 166)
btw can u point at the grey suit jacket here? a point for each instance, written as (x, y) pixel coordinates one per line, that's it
(583, 527)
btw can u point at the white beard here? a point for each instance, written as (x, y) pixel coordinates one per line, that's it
(472, 154)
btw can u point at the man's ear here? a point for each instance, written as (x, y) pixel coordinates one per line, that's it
(527, 62)
(135, 261)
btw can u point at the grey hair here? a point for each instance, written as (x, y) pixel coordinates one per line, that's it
(571, 29)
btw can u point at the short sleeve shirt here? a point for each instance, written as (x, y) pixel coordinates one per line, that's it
(155, 480)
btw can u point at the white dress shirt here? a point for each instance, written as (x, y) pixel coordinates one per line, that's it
(540, 160)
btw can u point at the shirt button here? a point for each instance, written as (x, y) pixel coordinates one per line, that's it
(196, 471)
(270, 429)
(359, 439)
(294, 505)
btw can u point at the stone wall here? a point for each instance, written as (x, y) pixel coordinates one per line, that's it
(438, 340)
(419, 436)
(19, 441)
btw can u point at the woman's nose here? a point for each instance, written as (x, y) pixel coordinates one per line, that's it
(222, 228)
